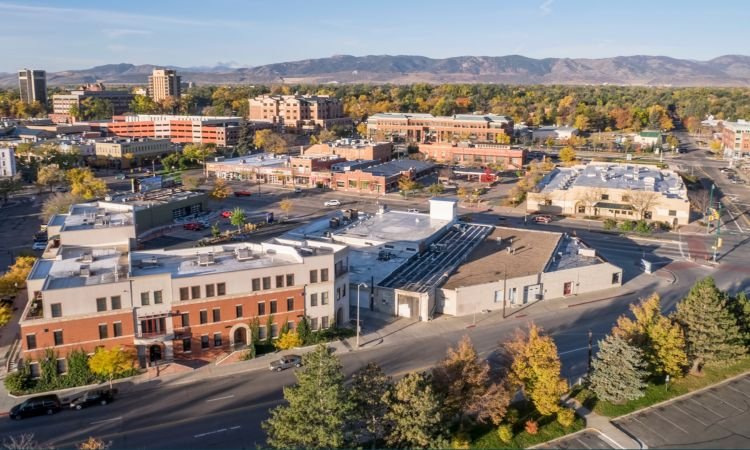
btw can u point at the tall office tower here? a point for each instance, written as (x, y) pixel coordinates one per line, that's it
(33, 85)
(163, 83)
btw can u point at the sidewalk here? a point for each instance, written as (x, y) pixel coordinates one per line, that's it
(608, 430)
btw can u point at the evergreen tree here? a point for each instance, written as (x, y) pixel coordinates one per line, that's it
(741, 310)
(618, 371)
(303, 330)
(711, 331)
(245, 140)
(317, 408)
(414, 413)
(367, 395)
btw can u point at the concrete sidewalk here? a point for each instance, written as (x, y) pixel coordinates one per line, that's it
(611, 433)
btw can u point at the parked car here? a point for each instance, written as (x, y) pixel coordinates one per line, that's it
(120, 176)
(226, 214)
(36, 406)
(39, 245)
(96, 397)
(332, 203)
(542, 218)
(286, 362)
(413, 210)
(298, 190)
(193, 226)
(242, 193)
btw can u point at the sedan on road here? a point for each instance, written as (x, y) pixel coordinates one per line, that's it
(542, 218)
(226, 214)
(97, 397)
(193, 226)
(242, 193)
(286, 362)
(332, 203)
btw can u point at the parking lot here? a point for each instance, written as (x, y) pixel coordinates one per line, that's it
(584, 439)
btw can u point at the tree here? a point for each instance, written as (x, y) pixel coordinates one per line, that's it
(435, 189)
(643, 201)
(536, 368)
(5, 315)
(303, 330)
(24, 441)
(618, 371)
(93, 443)
(84, 184)
(362, 129)
(221, 189)
(414, 413)
(198, 153)
(711, 331)
(110, 363)
(317, 409)
(326, 136)
(567, 154)
(16, 275)
(288, 341)
(58, 203)
(245, 143)
(238, 218)
(715, 146)
(286, 206)
(502, 138)
(661, 340)
(7, 187)
(50, 175)
(367, 395)
(406, 184)
(270, 141)
(741, 309)
(581, 122)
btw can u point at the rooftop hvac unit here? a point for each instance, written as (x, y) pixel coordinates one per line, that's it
(206, 259)
(243, 254)
(85, 271)
(87, 257)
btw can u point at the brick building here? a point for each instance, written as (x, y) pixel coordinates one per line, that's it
(417, 127)
(380, 178)
(735, 139)
(301, 112)
(354, 149)
(62, 103)
(467, 153)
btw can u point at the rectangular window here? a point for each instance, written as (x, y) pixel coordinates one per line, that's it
(145, 299)
(672, 212)
(290, 304)
(279, 281)
(616, 278)
(274, 330)
(58, 335)
(323, 275)
(56, 309)
(313, 276)
(34, 369)
(261, 309)
(187, 345)
(62, 366)
(103, 331)
(184, 293)
(256, 284)
(290, 279)
(210, 290)
(204, 341)
(117, 329)
(274, 308)
(262, 332)
(343, 291)
(217, 339)
(217, 314)
(314, 323)
(324, 298)
(204, 316)
(101, 304)
(185, 319)
(290, 325)
(313, 299)
(221, 289)
(605, 196)
(266, 283)
(195, 292)
(324, 321)
(30, 341)
(158, 299)
(238, 311)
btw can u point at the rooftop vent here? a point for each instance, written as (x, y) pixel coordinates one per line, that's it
(243, 254)
(87, 257)
(85, 271)
(206, 259)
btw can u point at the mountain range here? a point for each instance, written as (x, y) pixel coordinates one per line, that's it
(728, 70)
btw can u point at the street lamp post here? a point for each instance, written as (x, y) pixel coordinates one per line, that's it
(358, 286)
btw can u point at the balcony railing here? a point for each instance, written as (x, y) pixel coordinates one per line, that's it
(35, 310)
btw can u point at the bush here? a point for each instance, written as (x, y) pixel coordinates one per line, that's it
(461, 440)
(5, 315)
(643, 227)
(610, 224)
(505, 433)
(627, 225)
(18, 381)
(566, 417)
(531, 427)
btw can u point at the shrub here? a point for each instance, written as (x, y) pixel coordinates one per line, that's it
(643, 227)
(531, 427)
(18, 381)
(627, 225)
(610, 224)
(566, 417)
(505, 433)
(5, 315)
(460, 441)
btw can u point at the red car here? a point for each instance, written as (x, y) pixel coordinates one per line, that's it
(542, 219)
(242, 193)
(193, 226)
(226, 214)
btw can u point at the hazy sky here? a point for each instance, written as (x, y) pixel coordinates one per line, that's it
(76, 34)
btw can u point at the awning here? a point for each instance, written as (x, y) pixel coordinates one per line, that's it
(606, 205)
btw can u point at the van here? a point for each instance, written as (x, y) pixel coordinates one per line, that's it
(36, 406)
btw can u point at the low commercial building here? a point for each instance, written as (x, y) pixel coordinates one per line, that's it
(260, 167)
(380, 178)
(617, 191)
(298, 112)
(467, 153)
(354, 149)
(650, 138)
(419, 127)
(7, 162)
(62, 103)
(543, 133)
(129, 152)
(308, 167)
(735, 139)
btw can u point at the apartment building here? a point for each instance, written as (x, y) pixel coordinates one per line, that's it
(418, 127)
(7, 162)
(172, 304)
(163, 83)
(140, 150)
(62, 103)
(33, 85)
(735, 139)
(301, 112)
(469, 153)
(354, 149)
(617, 191)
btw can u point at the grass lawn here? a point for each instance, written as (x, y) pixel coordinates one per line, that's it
(658, 392)
(486, 437)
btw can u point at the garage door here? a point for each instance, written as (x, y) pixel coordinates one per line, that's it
(406, 305)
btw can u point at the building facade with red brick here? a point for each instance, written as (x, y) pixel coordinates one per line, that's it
(418, 127)
(354, 149)
(465, 153)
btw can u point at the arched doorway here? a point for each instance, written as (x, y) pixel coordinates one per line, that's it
(340, 317)
(240, 337)
(154, 353)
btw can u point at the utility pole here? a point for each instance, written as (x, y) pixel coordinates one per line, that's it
(718, 242)
(591, 350)
(708, 209)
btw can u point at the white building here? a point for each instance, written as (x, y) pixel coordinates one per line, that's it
(556, 133)
(7, 162)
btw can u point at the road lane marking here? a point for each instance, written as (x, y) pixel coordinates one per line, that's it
(106, 420)
(575, 350)
(216, 399)
(235, 427)
(209, 433)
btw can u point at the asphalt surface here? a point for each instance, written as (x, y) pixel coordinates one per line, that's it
(584, 439)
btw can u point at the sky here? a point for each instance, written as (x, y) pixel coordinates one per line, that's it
(78, 34)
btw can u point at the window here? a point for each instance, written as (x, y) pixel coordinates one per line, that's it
(101, 304)
(290, 279)
(338, 293)
(343, 291)
(274, 330)
(157, 298)
(262, 332)
(34, 370)
(290, 304)
(274, 308)
(117, 329)
(204, 316)
(221, 289)
(103, 331)
(261, 309)
(313, 299)
(605, 196)
(279, 281)
(648, 215)
(217, 314)
(581, 209)
(324, 321)
(323, 275)
(290, 325)
(672, 212)
(616, 278)
(144, 299)
(58, 335)
(626, 198)
(195, 292)
(56, 309)
(238, 311)
(185, 319)
(313, 276)
(210, 290)
(314, 323)
(266, 283)
(30, 341)
(204, 341)
(256, 284)
(62, 366)
(324, 298)
(217, 339)
(184, 293)
(187, 345)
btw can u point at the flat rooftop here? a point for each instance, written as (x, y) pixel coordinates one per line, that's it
(398, 166)
(150, 198)
(257, 160)
(87, 216)
(81, 266)
(391, 226)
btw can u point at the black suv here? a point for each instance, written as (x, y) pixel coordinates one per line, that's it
(97, 397)
(36, 406)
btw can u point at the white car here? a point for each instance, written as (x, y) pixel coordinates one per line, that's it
(332, 203)
(38, 245)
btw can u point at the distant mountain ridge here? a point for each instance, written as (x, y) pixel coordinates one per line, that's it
(727, 70)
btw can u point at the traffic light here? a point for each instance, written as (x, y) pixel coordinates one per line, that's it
(718, 243)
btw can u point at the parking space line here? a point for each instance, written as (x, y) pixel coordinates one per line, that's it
(677, 407)
(666, 419)
(706, 408)
(655, 433)
(582, 443)
(738, 391)
(722, 401)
